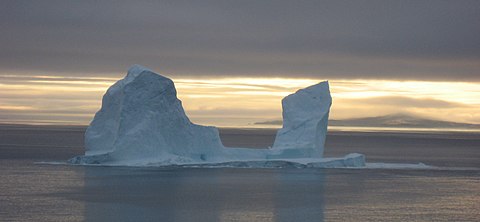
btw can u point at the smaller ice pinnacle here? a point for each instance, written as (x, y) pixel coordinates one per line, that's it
(305, 121)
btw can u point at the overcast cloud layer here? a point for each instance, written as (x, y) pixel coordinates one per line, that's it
(422, 40)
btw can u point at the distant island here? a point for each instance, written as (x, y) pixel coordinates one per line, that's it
(398, 120)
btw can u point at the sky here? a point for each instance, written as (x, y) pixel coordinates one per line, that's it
(233, 61)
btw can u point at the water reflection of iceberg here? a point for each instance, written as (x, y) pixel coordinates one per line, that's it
(143, 194)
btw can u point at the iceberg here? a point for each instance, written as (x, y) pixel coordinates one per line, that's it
(305, 121)
(142, 123)
(141, 118)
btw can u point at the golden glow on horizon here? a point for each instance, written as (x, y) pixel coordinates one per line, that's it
(15, 108)
(60, 82)
(239, 101)
(50, 87)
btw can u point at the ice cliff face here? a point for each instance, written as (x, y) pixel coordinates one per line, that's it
(141, 118)
(142, 122)
(305, 121)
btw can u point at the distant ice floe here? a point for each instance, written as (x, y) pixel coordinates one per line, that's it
(143, 123)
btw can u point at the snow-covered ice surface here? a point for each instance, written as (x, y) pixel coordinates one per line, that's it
(142, 123)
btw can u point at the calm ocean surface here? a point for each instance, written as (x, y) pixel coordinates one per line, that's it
(42, 192)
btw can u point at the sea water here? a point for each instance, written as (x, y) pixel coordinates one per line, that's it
(30, 191)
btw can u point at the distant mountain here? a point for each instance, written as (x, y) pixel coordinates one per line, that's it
(272, 122)
(394, 120)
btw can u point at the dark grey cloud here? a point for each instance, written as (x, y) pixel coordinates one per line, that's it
(428, 40)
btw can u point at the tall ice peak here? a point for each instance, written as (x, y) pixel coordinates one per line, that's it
(135, 70)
